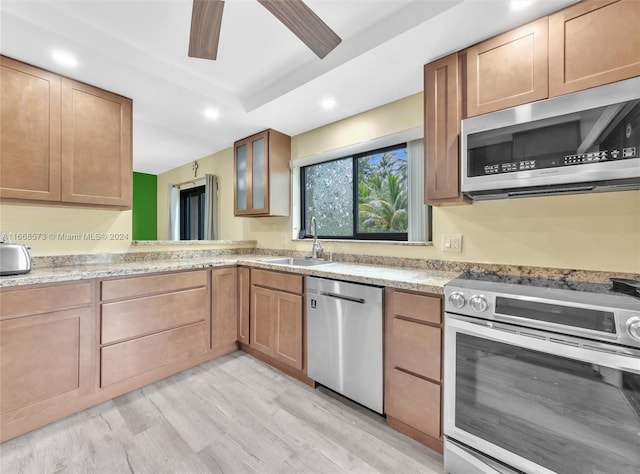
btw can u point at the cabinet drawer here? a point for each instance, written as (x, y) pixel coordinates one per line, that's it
(50, 298)
(414, 401)
(132, 318)
(419, 307)
(415, 347)
(131, 358)
(276, 280)
(140, 286)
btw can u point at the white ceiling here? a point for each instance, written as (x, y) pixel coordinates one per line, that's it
(264, 77)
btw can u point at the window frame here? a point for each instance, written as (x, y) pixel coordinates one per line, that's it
(355, 235)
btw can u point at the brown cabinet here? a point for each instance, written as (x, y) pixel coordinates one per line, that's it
(47, 354)
(96, 146)
(508, 70)
(224, 307)
(30, 132)
(413, 362)
(261, 174)
(63, 141)
(593, 43)
(244, 298)
(276, 328)
(442, 130)
(153, 321)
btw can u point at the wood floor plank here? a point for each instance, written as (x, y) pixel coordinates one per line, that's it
(234, 414)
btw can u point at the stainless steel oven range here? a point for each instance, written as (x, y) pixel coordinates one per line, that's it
(540, 376)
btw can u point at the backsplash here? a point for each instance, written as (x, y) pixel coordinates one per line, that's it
(129, 257)
(452, 266)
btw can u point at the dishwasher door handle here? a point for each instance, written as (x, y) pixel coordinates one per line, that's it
(343, 297)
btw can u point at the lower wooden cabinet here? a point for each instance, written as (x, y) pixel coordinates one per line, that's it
(413, 365)
(244, 298)
(47, 352)
(148, 322)
(66, 347)
(276, 327)
(224, 307)
(135, 357)
(414, 401)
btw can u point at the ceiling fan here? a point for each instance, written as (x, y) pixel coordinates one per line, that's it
(206, 19)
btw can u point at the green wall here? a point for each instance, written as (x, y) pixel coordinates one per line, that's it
(145, 202)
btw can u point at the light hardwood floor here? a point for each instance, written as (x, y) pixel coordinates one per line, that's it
(233, 415)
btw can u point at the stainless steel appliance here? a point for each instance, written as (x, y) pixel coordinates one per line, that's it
(540, 376)
(581, 142)
(344, 339)
(14, 259)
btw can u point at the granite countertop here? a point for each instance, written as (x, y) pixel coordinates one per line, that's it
(418, 279)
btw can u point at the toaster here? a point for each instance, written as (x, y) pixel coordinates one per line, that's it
(14, 259)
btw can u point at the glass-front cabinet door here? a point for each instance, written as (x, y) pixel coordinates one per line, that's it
(242, 176)
(251, 158)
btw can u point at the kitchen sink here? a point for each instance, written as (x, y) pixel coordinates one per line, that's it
(297, 261)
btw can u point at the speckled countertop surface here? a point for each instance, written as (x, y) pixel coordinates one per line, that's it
(418, 279)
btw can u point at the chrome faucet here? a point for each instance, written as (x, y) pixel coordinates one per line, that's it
(317, 246)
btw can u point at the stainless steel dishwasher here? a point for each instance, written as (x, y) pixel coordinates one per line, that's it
(344, 339)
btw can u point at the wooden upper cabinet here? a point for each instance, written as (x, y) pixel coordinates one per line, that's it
(61, 140)
(30, 132)
(508, 70)
(261, 174)
(96, 146)
(593, 43)
(442, 130)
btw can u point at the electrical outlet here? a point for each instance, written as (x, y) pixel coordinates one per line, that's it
(452, 243)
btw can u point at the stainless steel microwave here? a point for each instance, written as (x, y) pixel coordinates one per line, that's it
(582, 142)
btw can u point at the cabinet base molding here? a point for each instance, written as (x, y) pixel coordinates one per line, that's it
(411, 432)
(291, 372)
(17, 425)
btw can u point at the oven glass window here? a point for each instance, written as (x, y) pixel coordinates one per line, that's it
(566, 415)
(595, 320)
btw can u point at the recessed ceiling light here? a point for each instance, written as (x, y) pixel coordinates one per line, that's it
(517, 5)
(211, 114)
(328, 103)
(64, 58)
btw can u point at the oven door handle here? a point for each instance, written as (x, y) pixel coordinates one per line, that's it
(604, 354)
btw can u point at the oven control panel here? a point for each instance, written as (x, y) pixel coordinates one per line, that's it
(477, 303)
(601, 316)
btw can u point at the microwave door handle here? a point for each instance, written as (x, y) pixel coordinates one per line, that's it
(538, 192)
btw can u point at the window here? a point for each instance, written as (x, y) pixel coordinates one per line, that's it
(192, 203)
(364, 196)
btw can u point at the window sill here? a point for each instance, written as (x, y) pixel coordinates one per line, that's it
(376, 242)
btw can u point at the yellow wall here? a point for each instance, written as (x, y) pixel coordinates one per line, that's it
(588, 231)
(62, 230)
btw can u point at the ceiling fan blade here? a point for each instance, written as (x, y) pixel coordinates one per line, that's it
(206, 19)
(305, 24)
